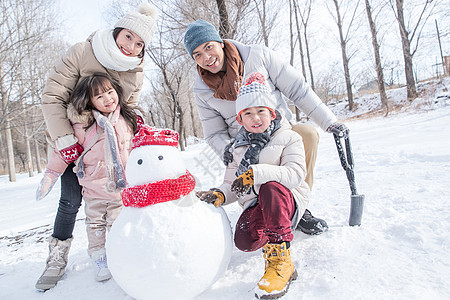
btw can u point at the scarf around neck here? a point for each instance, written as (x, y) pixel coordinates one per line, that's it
(256, 142)
(159, 191)
(115, 181)
(225, 84)
(108, 54)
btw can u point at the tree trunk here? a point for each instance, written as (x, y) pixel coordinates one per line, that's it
(26, 140)
(38, 157)
(309, 60)
(300, 44)
(407, 57)
(181, 127)
(224, 27)
(305, 19)
(193, 120)
(10, 152)
(7, 130)
(344, 58)
(291, 40)
(378, 66)
(263, 20)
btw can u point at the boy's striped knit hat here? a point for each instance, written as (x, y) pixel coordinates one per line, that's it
(255, 92)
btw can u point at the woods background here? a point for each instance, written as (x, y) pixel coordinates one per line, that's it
(343, 48)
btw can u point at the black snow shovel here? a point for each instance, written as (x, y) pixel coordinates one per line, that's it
(357, 201)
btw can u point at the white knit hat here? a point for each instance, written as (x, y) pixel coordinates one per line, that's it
(142, 22)
(255, 92)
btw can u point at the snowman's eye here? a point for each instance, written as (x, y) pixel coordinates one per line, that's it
(140, 162)
(160, 157)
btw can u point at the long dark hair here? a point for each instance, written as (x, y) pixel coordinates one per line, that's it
(95, 84)
(116, 32)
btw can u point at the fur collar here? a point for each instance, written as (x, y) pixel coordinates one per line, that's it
(85, 117)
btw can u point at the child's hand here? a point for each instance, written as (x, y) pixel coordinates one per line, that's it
(46, 184)
(243, 183)
(212, 197)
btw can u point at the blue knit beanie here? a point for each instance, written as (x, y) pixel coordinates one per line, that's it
(199, 32)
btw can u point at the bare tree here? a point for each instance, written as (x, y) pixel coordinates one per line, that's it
(344, 39)
(262, 16)
(6, 68)
(305, 16)
(376, 52)
(292, 11)
(24, 26)
(408, 35)
(224, 28)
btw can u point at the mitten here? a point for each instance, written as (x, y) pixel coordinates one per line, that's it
(215, 197)
(227, 156)
(46, 184)
(71, 153)
(338, 129)
(243, 183)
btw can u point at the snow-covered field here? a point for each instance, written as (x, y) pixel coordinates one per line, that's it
(401, 251)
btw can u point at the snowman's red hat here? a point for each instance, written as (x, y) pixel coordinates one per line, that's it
(155, 136)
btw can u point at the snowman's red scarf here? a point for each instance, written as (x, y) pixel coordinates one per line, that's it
(157, 192)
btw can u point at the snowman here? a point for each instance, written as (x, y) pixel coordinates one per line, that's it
(165, 244)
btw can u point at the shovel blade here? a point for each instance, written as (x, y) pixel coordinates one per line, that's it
(356, 210)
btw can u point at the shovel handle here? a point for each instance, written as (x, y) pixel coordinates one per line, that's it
(346, 158)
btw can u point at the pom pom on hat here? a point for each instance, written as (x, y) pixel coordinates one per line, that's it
(200, 32)
(255, 92)
(155, 136)
(141, 22)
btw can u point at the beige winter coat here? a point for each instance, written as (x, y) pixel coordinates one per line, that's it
(79, 61)
(281, 160)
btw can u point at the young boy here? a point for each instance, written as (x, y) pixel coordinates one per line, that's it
(267, 178)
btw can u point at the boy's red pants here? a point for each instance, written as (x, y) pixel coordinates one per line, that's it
(269, 221)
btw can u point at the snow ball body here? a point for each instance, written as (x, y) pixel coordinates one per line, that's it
(172, 249)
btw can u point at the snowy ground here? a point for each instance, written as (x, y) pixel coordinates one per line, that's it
(401, 251)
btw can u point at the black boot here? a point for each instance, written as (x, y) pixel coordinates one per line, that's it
(311, 225)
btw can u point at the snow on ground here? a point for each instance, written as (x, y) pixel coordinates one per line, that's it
(402, 165)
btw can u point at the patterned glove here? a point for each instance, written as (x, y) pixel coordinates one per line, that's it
(228, 153)
(71, 153)
(46, 184)
(215, 197)
(338, 129)
(243, 183)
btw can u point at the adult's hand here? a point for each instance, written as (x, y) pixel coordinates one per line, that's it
(338, 129)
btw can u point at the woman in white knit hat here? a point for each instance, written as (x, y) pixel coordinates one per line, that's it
(118, 52)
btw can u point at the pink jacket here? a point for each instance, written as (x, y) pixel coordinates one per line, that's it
(94, 180)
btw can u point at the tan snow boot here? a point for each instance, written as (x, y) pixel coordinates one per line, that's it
(56, 263)
(280, 271)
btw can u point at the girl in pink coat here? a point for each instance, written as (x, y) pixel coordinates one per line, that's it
(104, 125)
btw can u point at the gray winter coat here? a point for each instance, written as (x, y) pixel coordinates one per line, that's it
(218, 116)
